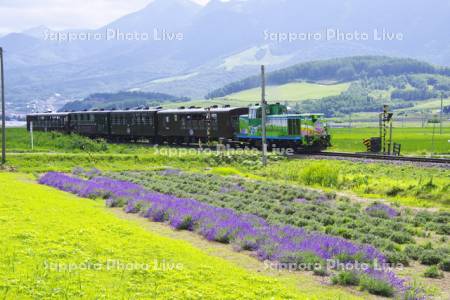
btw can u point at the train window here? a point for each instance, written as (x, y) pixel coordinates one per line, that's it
(198, 117)
(92, 118)
(175, 118)
(167, 119)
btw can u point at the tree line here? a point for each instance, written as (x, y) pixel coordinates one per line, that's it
(121, 100)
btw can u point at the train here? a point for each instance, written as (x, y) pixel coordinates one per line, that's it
(187, 125)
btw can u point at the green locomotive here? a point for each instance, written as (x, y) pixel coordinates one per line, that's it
(301, 132)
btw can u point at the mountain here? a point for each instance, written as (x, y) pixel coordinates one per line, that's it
(221, 42)
(37, 32)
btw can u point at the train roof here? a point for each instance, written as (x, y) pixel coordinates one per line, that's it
(293, 116)
(99, 111)
(202, 110)
(134, 110)
(49, 114)
(159, 110)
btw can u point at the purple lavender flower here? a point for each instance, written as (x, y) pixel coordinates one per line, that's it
(232, 188)
(244, 231)
(169, 172)
(388, 277)
(301, 201)
(78, 171)
(382, 210)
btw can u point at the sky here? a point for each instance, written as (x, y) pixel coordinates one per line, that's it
(19, 15)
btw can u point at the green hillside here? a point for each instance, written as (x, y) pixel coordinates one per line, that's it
(338, 69)
(297, 91)
(365, 84)
(291, 93)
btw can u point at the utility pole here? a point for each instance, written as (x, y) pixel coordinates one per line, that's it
(432, 139)
(442, 111)
(3, 109)
(263, 116)
(350, 122)
(31, 135)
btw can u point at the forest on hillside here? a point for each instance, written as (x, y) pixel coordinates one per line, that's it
(398, 82)
(339, 69)
(399, 92)
(122, 100)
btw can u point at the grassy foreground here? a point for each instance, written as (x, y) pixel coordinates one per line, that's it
(66, 247)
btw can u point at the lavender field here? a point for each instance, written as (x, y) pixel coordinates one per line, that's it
(359, 245)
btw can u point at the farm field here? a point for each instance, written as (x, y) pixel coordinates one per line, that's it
(270, 234)
(432, 104)
(67, 247)
(414, 141)
(290, 93)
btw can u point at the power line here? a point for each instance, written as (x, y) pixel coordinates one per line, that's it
(3, 109)
(441, 113)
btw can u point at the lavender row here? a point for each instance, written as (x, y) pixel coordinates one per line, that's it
(285, 244)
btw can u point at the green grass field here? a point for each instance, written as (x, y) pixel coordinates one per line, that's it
(63, 153)
(290, 93)
(64, 247)
(432, 104)
(418, 141)
(414, 141)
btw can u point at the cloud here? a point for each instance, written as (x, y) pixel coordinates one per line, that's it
(19, 15)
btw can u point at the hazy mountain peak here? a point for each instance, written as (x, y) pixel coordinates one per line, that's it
(37, 32)
(169, 6)
(167, 14)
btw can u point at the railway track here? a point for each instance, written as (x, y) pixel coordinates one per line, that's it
(382, 157)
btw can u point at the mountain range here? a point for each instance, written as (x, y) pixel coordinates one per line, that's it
(218, 43)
